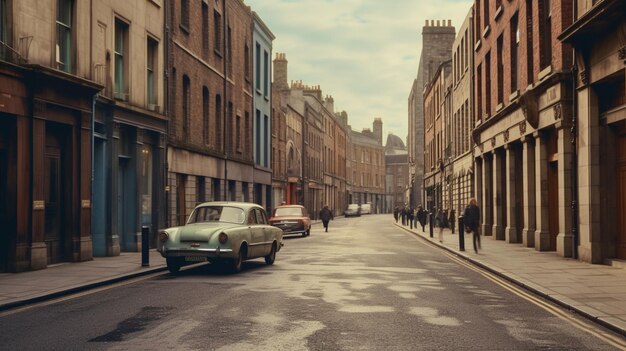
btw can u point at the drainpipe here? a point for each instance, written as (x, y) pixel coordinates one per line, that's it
(166, 93)
(225, 104)
(574, 136)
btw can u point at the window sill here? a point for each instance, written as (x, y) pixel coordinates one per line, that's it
(477, 45)
(499, 107)
(184, 28)
(498, 13)
(217, 52)
(514, 95)
(545, 72)
(486, 31)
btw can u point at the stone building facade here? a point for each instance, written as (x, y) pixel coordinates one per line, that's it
(598, 116)
(368, 167)
(522, 92)
(47, 92)
(210, 91)
(397, 176)
(437, 38)
(128, 58)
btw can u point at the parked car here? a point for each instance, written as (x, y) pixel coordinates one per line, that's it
(366, 208)
(221, 232)
(292, 219)
(353, 210)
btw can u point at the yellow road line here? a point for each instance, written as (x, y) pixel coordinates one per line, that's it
(589, 327)
(586, 326)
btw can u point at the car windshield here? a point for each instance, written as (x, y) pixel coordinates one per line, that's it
(288, 211)
(353, 207)
(217, 214)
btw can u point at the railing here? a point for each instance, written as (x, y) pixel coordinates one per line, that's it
(7, 53)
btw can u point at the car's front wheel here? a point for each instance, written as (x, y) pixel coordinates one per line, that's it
(236, 262)
(269, 259)
(174, 264)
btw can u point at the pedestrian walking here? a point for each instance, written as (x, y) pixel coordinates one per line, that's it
(396, 213)
(421, 216)
(439, 222)
(471, 218)
(403, 214)
(410, 217)
(451, 220)
(326, 215)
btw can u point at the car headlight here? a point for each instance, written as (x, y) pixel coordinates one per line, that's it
(223, 238)
(163, 236)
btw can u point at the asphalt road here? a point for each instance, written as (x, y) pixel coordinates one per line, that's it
(364, 285)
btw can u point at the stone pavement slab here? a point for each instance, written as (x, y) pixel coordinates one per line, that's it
(597, 292)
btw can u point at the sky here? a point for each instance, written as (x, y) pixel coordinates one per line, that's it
(364, 53)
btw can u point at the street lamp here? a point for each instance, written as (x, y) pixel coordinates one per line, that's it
(411, 182)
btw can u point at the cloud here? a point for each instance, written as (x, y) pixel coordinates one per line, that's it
(364, 53)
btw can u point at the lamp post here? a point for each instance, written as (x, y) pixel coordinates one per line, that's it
(411, 183)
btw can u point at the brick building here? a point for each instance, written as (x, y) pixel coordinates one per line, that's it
(461, 119)
(598, 35)
(210, 91)
(437, 106)
(522, 92)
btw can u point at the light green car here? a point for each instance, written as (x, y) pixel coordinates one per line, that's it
(221, 232)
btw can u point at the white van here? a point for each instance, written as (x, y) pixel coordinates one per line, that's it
(366, 208)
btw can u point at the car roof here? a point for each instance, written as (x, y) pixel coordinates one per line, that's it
(288, 206)
(243, 205)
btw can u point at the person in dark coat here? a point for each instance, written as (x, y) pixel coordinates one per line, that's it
(439, 222)
(410, 217)
(421, 216)
(403, 214)
(451, 219)
(471, 219)
(326, 215)
(396, 213)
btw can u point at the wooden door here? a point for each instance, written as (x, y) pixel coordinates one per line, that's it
(621, 201)
(54, 234)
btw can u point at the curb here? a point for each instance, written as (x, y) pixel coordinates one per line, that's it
(522, 285)
(76, 289)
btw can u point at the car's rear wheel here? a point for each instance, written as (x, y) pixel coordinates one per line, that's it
(174, 264)
(269, 259)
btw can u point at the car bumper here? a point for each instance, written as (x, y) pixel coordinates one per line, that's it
(196, 255)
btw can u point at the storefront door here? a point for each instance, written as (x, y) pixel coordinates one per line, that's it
(56, 188)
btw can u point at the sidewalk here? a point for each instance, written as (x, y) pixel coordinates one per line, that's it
(17, 289)
(597, 292)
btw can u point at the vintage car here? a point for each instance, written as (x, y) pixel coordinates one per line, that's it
(353, 210)
(292, 219)
(366, 208)
(221, 232)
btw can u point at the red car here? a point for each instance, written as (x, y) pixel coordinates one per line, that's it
(292, 219)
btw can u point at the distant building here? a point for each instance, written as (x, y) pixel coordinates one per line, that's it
(397, 176)
(368, 167)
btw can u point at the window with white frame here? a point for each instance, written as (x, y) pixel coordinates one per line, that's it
(65, 9)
